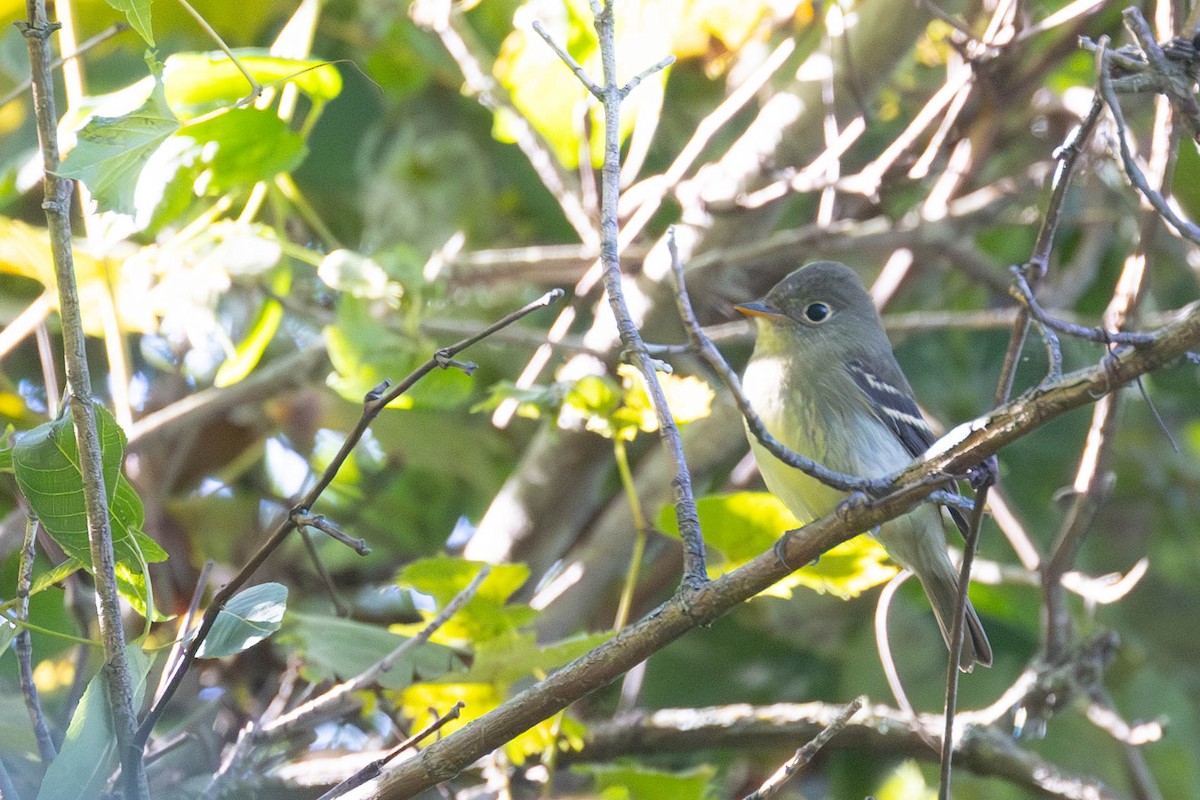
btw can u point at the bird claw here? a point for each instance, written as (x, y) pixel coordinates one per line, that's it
(986, 473)
(781, 549)
(854, 501)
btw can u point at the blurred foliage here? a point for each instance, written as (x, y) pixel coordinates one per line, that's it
(366, 205)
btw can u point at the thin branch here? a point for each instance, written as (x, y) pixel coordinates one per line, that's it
(1067, 158)
(957, 629)
(805, 754)
(443, 20)
(694, 571)
(372, 770)
(185, 624)
(876, 729)
(256, 88)
(569, 60)
(1093, 485)
(646, 73)
(99, 38)
(1186, 229)
(704, 604)
(24, 647)
(890, 673)
(57, 206)
(305, 519)
(374, 403)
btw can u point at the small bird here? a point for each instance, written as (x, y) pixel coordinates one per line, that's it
(826, 384)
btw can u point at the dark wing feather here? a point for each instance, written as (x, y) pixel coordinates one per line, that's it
(895, 408)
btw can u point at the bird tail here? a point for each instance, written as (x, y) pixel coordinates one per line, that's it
(941, 586)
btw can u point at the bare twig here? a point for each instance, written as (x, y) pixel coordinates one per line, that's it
(957, 630)
(877, 729)
(440, 17)
(57, 205)
(694, 570)
(890, 673)
(1093, 484)
(805, 754)
(1039, 260)
(306, 519)
(374, 403)
(185, 624)
(24, 647)
(373, 769)
(99, 38)
(1186, 229)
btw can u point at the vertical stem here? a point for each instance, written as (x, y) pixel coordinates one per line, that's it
(57, 205)
(694, 572)
(639, 540)
(24, 647)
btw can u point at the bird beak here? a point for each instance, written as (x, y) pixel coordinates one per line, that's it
(758, 309)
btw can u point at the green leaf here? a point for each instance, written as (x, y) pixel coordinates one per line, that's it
(56, 575)
(46, 464)
(740, 526)
(487, 615)
(197, 83)
(505, 660)
(112, 151)
(337, 649)
(89, 750)
(638, 782)
(250, 616)
(243, 146)
(138, 14)
(444, 577)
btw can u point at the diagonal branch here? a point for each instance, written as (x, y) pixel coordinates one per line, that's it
(446, 758)
(373, 404)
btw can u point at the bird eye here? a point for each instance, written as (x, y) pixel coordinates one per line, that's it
(816, 312)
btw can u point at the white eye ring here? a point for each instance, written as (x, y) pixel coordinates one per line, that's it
(817, 312)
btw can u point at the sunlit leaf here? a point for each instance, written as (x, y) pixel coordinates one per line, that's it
(337, 649)
(111, 151)
(906, 782)
(262, 330)
(197, 83)
(242, 146)
(58, 574)
(532, 403)
(137, 12)
(487, 615)
(423, 702)
(89, 750)
(741, 526)
(250, 616)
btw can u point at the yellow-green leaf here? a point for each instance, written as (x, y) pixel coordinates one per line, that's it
(741, 526)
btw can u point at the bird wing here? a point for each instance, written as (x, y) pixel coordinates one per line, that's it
(894, 406)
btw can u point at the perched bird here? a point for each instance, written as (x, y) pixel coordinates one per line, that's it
(826, 384)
